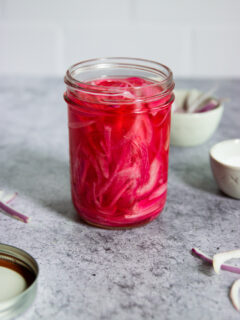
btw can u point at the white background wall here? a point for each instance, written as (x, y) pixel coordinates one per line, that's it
(198, 38)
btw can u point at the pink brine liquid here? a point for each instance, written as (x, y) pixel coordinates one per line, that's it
(119, 152)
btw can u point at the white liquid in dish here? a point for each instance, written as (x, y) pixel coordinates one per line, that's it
(11, 283)
(233, 161)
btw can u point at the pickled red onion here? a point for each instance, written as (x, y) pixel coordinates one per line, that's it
(119, 159)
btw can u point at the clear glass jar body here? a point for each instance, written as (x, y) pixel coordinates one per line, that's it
(119, 130)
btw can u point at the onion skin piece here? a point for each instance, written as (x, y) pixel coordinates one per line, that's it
(208, 107)
(234, 294)
(220, 258)
(7, 198)
(209, 260)
(202, 255)
(13, 212)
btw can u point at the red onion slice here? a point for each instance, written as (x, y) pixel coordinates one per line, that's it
(220, 258)
(9, 197)
(234, 294)
(209, 260)
(4, 200)
(13, 212)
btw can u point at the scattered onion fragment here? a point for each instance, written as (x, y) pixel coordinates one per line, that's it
(202, 255)
(220, 258)
(209, 260)
(9, 197)
(210, 105)
(217, 262)
(234, 294)
(4, 200)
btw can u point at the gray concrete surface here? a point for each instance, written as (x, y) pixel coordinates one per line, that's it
(88, 273)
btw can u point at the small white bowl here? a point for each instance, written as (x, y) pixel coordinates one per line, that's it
(225, 164)
(191, 129)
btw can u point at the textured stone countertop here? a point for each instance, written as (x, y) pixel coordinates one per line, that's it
(93, 274)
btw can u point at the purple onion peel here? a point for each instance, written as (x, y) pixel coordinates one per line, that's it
(7, 198)
(209, 260)
(208, 107)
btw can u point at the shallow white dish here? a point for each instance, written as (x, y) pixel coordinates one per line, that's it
(191, 129)
(225, 164)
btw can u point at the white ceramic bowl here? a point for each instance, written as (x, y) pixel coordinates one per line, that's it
(191, 129)
(225, 164)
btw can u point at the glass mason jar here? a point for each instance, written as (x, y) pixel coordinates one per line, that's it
(119, 130)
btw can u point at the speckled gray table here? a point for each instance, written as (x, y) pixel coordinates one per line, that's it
(88, 273)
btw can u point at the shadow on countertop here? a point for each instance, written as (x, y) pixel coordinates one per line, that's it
(45, 178)
(42, 177)
(196, 173)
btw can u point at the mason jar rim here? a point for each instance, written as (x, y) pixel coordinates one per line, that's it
(157, 68)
